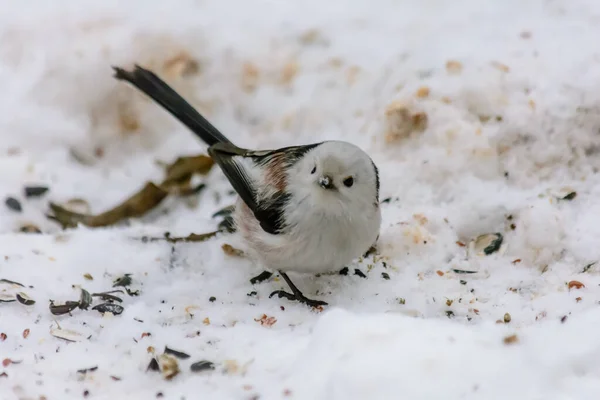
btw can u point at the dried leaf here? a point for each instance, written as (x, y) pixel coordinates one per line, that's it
(136, 206)
(168, 366)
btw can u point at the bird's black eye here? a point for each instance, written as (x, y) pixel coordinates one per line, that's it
(349, 181)
(314, 170)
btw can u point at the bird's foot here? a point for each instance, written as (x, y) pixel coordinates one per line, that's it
(298, 297)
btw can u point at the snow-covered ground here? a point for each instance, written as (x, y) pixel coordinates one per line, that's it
(508, 94)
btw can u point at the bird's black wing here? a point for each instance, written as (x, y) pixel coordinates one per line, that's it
(234, 164)
(155, 88)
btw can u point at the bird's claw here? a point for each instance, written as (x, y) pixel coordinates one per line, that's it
(298, 297)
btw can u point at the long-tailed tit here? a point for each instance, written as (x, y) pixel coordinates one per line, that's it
(312, 208)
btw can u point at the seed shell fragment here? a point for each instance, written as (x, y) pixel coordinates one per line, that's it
(24, 299)
(202, 366)
(109, 307)
(178, 354)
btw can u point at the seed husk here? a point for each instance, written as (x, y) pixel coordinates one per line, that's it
(61, 309)
(11, 282)
(109, 307)
(107, 296)
(24, 299)
(359, 273)
(13, 204)
(385, 276)
(488, 243)
(124, 280)
(153, 365)
(203, 365)
(462, 271)
(85, 299)
(168, 366)
(178, 354)
(35, 191)
(66, 334)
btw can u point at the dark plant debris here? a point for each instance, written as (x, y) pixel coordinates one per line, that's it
(153, 365)
(212, 299)
(13, 204)
(192, 237)
(24, 299)
(35, 191)
(109, 307)
(588, 267)
(344, 271)
(263, 276)
(385, 276)
(107, 296)
(178, 354)
(462, 271)
(85, 299)
(62, 309)
(124, 280)
(200, 366)
(11, 282)
(177, 182)
(359, 273)
(569, 196)
(86, 370)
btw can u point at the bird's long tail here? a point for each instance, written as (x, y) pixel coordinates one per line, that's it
(154, 87)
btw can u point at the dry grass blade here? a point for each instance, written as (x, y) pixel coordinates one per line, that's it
(136, 206)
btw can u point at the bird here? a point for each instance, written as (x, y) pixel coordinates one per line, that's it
(311, 208)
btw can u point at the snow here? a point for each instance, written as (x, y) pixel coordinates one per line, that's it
(508, 133)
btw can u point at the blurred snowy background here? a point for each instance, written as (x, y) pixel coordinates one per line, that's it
(483, 116)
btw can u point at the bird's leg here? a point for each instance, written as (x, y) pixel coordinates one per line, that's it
(296, 293)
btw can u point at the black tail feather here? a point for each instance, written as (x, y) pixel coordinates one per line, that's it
(154, 87)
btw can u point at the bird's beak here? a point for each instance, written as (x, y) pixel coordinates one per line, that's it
(326, 182)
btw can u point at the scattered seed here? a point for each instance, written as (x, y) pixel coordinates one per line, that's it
(202, 366)
(85, 299)
(115, 309)
(263, 276)
(61, 309)
(385, 276)
(440, 273)
(449, 302)
(86, 393)
(386, 200)
(575, 285)
(66, 334)
(26, 333)
(563, 319)
(13, 204)
(35, 191)
(488, 243)
(507, 318)
(3, 337)
(511, 339)
(178, 354)
(24, 299)
(88, 277)
(518, 260)
(6, 362)
(359, 273)
(463, 282)
(206, 321)
(212, 299)
(578, 299)
(146, 334)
